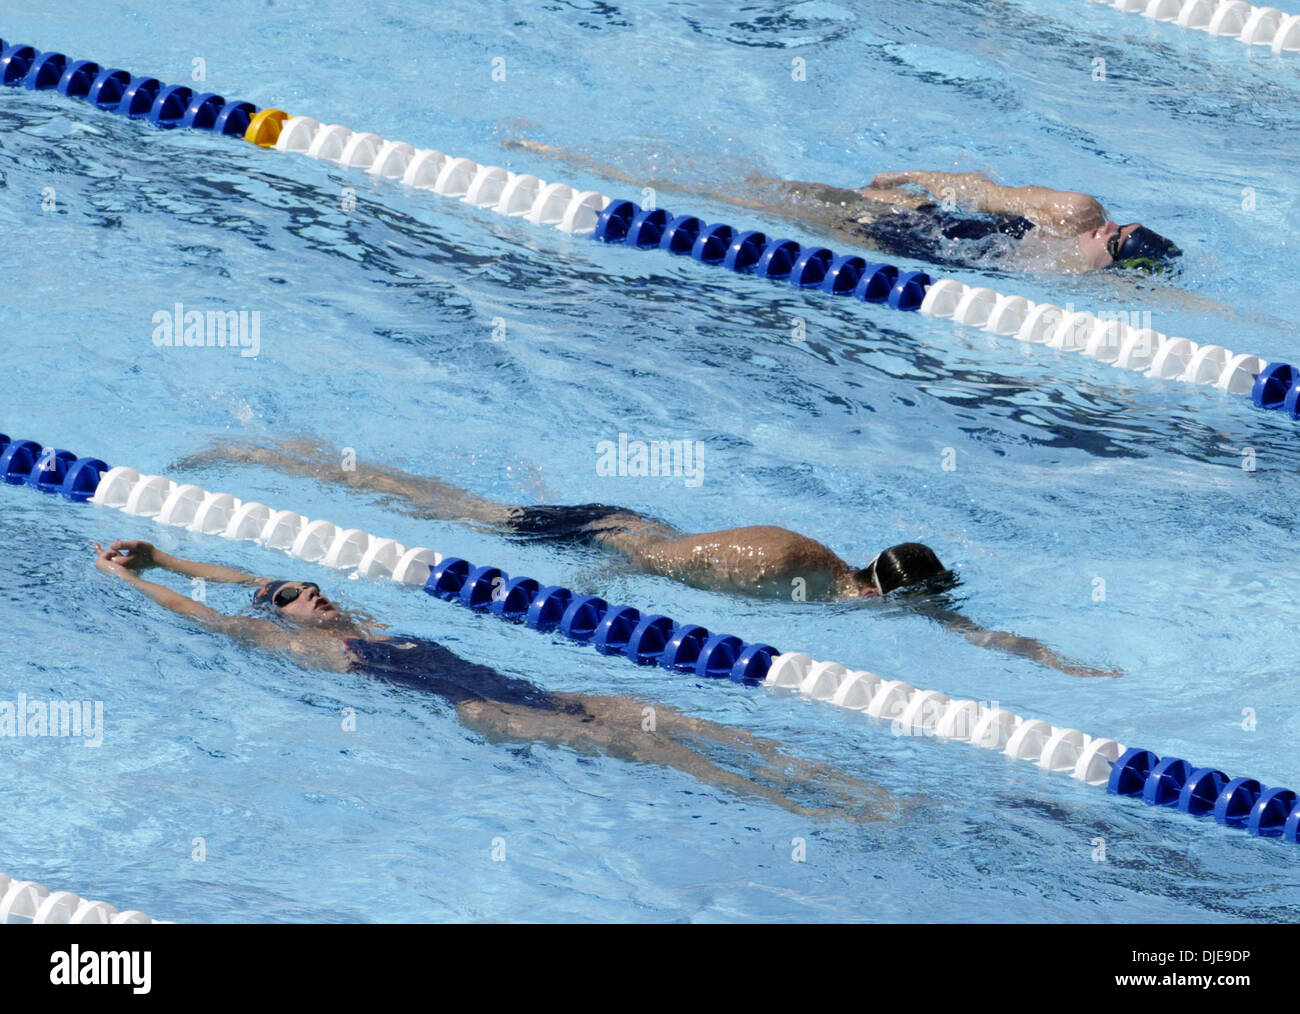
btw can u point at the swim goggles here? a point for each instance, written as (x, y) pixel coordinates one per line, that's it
(1143, 249)
(286, 595)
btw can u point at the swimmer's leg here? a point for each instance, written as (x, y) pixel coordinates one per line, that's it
(424, 497)
(501, 723)
(617, 727)
(757, 193)
(792, 771)
(761, 761)
(420, 496)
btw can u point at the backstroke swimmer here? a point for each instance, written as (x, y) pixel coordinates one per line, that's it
(763, 561)
(300, 623)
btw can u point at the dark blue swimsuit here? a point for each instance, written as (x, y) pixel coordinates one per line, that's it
(581, 524)
(427, 665)
(925, 233)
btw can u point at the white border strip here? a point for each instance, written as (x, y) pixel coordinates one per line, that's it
(1108, 341)
(28, 901)
(194, 508)
(515, 195)
(1257, 26)
(930, 713)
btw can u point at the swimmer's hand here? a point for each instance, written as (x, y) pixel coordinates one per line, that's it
(109, 562)
(124, 556)
(1071, 667)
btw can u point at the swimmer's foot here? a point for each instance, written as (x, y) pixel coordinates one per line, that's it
(1088, 672)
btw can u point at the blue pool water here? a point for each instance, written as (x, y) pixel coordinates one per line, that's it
(377, 334)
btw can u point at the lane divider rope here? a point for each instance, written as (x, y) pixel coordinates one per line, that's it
(1257, 26)
(587, 213)
(1271, 385)
(655, 639)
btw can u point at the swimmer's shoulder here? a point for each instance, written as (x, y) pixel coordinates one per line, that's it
(316, 648)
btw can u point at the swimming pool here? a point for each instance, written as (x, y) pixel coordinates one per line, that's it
(378, 333)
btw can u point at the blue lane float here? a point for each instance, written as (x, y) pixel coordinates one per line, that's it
(589, 619)
(75, 82)
(15, 62)
(48, 469)
(753, 253)
(1203, 792)
(137, 97)
(1276, 388)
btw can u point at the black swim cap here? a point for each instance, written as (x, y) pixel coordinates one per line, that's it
(899, 566)
(1146, 250)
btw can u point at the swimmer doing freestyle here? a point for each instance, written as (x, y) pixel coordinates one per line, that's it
(763, 561)
(299, 622)
(950, 219)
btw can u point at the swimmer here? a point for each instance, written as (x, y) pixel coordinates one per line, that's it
(1074, 233)
(762, 561)
(296, 620)
(949, 219)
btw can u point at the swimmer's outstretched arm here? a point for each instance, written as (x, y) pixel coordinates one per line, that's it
(1164, 297)
(139, 555)
(1064, 211)
(1014, 644)
(115, 562)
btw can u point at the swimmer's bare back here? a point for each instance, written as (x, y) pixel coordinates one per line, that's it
(763, 561)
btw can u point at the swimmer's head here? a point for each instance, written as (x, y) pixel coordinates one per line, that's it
(298, 602)
(1131, 247)
(901, 566)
